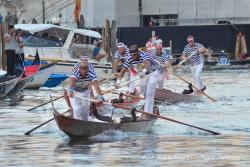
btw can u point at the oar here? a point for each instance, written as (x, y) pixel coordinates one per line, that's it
(127, 95)
(202, 92)
(102, 80)
(45, 103)
(121, 85)
(28, 133)
(183, 61)
(166, 118)
(181, 78)
(69, 104)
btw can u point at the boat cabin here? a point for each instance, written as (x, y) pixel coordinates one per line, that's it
(56, 42)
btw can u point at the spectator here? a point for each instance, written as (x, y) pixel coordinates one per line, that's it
(223, 58)
(97, 55)
(149, 44)
(158, 41)
(10, 50)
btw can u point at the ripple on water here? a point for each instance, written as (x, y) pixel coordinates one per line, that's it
(168, 144)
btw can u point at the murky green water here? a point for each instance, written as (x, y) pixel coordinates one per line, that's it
(167, 144)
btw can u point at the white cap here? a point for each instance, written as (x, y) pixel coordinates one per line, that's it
(120, 45)
(84, 58)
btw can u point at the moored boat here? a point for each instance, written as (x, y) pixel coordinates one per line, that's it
(55, 80)
(7, 84)
(41, 76)
(173, 97)
(58, 44)
(28, 76)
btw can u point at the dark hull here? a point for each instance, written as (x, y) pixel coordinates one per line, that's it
(85, 129)
(6, 85)
(173, 97)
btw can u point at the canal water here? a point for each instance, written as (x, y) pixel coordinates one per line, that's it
(167, 144)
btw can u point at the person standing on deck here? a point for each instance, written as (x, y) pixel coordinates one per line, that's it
(97, 55)
(196, 61)
(82, 77)
(162, 58)
(10, 50)
(120, 56)
(136, 58)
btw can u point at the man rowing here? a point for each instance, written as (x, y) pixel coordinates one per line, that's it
(120, 56)
(196, 61)
(141, 58)
(161, 58)
(82, 77)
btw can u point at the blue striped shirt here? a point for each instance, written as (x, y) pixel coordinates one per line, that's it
(120, 56)
(196, 59)
(91, 75)
(163, 58)
(129, 62)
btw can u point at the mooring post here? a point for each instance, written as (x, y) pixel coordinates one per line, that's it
(113, 38)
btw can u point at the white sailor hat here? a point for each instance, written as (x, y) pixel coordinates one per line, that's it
(120, 45)
(84, 58)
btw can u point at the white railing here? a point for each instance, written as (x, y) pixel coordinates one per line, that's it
(52, 9)
(203, 21)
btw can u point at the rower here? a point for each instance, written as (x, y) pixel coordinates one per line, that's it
(196, 61)
(162, 58)
(80, 80)
(120, 56)
(136, 58)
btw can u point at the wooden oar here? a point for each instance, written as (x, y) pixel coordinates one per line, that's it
(28, 133)
(69, 105)
(183, 61)
(45, 103)
(121, 85)
(127, 95)
(166, 118)
(181, 78)
(102, 80)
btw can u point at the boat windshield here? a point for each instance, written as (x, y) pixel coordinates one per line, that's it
(49, 38)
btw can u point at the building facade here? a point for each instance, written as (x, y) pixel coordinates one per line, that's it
(131, 13)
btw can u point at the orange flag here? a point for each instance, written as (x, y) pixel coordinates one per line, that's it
(77, 10)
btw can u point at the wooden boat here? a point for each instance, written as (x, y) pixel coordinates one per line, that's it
(84, 129)
(173, 97)
(7, 84)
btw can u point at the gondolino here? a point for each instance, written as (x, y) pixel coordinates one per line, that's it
(83, 75)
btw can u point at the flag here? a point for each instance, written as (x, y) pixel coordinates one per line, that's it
(77, 10)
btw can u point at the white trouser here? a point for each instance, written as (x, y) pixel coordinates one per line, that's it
(152, 81)
(196, 71)
(80, 106)
(132, 85)
(161, 79)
